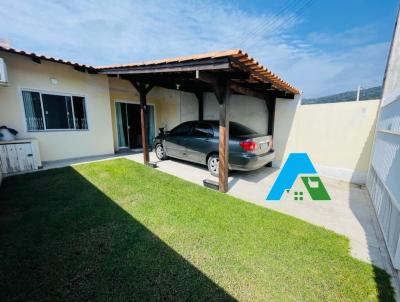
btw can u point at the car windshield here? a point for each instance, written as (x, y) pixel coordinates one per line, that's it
(236, 129)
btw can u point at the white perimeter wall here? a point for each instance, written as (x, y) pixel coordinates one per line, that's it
(337, 136)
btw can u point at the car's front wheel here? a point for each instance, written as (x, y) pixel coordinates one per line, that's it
(160, 152)
(213, 164)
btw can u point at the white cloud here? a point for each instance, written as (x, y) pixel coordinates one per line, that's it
(325, 74)
(100, 32)
(351, 37)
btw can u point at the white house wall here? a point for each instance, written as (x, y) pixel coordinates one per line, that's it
(246, 110)
(56, 145)
(188, 106)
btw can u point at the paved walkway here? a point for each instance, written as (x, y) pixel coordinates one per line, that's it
(349, 212)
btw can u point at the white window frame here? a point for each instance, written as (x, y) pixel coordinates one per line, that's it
(71, 95)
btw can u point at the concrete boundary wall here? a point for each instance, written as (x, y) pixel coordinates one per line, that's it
(337, 136)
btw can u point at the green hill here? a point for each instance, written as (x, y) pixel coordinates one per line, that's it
(372, 93)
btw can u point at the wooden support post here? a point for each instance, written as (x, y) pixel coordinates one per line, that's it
(200, 99)
(270, 102)
(271, 115)
(143, 89)
(222, 88)
(223, 97)
(143, 121)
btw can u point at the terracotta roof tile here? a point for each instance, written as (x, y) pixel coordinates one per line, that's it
(44, 57)
(261, 73)
(238, 54)
(208, 55)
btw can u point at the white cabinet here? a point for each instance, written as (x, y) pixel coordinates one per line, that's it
(19, 156)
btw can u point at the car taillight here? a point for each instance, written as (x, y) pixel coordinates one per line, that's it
(248, 146)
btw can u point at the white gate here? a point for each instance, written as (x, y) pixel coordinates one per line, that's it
(384, 175)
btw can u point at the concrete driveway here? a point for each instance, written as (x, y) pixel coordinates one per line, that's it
(348, 213)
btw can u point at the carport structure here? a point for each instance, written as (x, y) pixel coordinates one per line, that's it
(222, 73)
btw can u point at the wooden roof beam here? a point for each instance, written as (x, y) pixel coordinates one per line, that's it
(180, 76)
(233, 75)
(142, 87)
(257, 85)
(177, 85)
(259, 72)
(281, 94)
(79, 68)
(215, 81)
(36, 60)
(207, 64)
(241, 89)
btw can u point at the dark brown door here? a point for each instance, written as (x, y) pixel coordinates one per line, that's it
(134, 126)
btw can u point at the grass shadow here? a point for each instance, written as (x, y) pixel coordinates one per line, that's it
(64, 239)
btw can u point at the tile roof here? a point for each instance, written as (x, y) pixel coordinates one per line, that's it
(44, 57)
(259, 72)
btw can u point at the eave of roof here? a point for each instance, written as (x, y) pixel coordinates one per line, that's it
(258, 71)
(44, 57)
(208, 55)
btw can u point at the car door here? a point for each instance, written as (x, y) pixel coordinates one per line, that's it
(175, 140)
(200, 142)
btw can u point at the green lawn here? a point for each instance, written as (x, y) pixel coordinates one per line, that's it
(117, 230)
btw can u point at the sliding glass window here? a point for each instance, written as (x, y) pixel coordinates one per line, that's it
(79, 112)
(33, 110)
(45, 111)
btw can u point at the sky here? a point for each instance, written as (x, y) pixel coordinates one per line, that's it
(320, 46)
